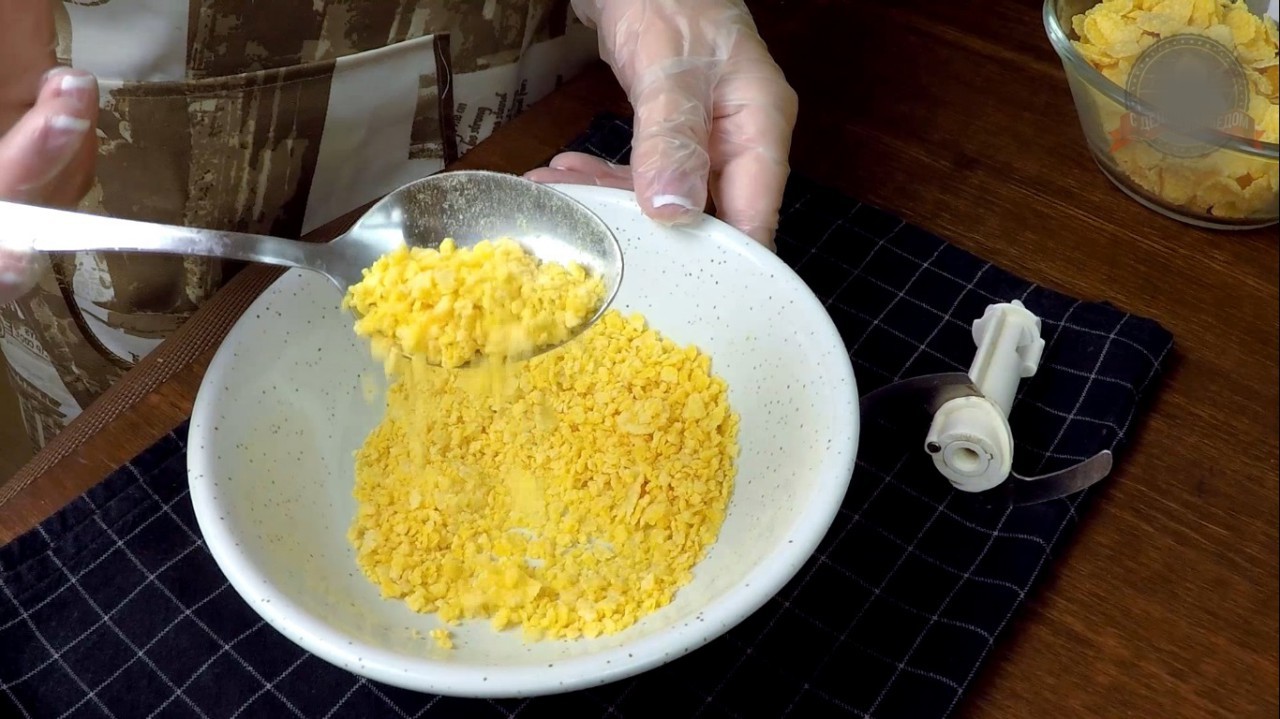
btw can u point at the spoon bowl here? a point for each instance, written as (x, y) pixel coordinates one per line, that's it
(467, 206)
(474, 205)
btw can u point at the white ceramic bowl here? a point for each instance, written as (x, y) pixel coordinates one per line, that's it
(284, 405)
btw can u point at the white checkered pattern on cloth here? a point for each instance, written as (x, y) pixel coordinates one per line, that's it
(114, 608)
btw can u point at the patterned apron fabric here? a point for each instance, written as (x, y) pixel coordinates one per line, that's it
(267, 117)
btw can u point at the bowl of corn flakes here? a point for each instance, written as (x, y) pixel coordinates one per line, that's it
(1178, 103)
(509, 529)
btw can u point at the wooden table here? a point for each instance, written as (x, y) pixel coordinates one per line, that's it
(960, 121)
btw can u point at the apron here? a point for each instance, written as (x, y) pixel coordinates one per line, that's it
(270, 117)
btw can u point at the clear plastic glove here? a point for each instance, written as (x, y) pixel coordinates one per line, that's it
(47, 142)
(713, 112)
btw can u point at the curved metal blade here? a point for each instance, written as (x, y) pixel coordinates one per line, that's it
(919, 398)
(925, 394)
(1033, 490)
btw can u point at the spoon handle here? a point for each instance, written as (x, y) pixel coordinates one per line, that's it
(41, 229)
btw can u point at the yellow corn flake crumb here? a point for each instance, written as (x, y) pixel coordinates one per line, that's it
(443, 638)
(1113, 34)
(446, 306)
(571, 505)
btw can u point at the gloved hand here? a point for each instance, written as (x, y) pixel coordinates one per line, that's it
(712, 111)
(47, 139)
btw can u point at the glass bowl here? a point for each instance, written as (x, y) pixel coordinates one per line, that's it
(1199, 175)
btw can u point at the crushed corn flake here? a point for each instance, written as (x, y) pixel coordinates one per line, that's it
(571, 503)
(443, 638)
(447, 306)
(1113, 34)
(570, 494)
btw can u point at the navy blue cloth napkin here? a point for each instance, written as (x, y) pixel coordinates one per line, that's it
(114, 608)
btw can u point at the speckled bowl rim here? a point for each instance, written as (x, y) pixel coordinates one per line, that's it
(425, 674)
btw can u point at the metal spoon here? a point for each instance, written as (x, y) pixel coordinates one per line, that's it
(468, 206)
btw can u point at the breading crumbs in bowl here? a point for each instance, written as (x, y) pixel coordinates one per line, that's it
(573, 504)
(531, 527)
(572, 497)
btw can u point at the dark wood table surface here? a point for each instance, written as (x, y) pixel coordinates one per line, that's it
(957, 117)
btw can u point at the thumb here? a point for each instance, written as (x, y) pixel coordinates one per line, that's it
(34, 158)
(17, 275)
(35, 152)
(669, 159)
